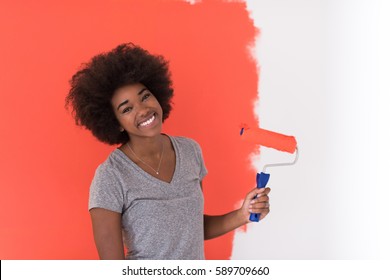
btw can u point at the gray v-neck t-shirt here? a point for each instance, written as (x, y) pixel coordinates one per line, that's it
(160, 220)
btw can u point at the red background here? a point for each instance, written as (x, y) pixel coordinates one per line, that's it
(47, 163)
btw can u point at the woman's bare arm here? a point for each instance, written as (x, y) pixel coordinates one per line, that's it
(215, 226)
(107, 231)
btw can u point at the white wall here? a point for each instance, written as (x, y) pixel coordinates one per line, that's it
(324, 79)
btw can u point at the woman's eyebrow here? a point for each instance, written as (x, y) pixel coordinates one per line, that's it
(123, 103)
(127, 101)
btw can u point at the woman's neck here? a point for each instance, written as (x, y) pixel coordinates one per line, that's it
(146, 147)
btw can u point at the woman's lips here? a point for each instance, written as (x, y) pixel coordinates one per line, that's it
(150, 121)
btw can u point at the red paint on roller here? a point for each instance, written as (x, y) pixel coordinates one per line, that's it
(269, 139)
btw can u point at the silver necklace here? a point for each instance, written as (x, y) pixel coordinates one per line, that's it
(162, 154)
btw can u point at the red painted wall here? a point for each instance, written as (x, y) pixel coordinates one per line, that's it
(47, 163)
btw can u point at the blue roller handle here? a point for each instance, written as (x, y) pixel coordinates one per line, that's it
(261, 181)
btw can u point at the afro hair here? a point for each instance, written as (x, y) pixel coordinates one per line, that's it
(93, 86)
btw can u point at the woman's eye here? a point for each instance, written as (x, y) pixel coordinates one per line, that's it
(128, 109)
(146, 96)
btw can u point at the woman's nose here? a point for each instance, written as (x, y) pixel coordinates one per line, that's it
(143, 110)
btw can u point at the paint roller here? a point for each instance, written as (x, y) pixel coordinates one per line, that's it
(268, 139)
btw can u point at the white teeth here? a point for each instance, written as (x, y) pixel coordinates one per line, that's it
(149, 121)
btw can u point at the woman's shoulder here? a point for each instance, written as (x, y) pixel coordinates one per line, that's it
(111, 163)
(185, 140)
(188, 145)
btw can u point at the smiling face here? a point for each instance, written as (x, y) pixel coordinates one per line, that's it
(137, 111)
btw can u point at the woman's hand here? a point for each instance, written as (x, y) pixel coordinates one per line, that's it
(259, 205)
(215, 226)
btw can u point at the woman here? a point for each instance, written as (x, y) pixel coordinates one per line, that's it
(147, 195)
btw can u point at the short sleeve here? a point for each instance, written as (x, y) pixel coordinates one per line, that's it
(105, 191)
(199, 156)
